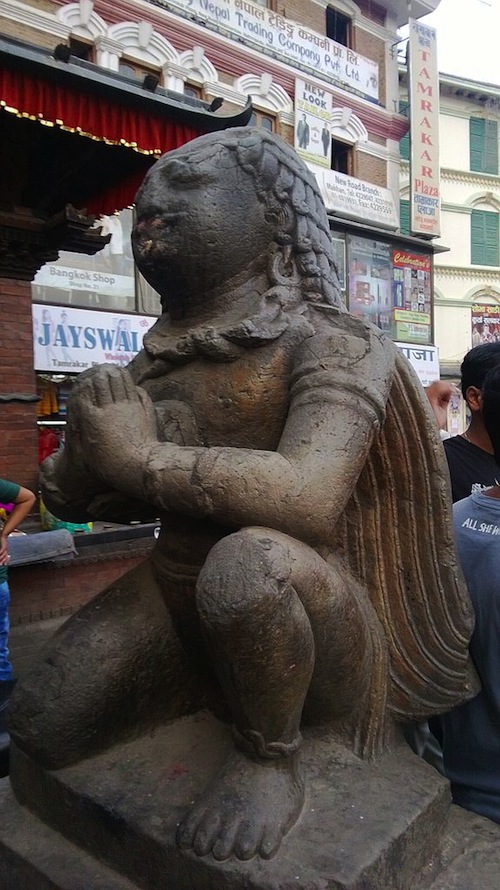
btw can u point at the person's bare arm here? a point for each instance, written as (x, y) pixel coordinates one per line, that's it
(23, 504)
(440, 394)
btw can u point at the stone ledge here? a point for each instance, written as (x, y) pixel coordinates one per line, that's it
(363, 825)
(34, 857)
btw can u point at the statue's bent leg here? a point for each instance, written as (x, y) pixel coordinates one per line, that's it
(113, 669)
(277, 618)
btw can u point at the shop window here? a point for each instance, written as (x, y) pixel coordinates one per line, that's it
(404, 143)
(138, 71)
(338, 26)
(342, 157)
(404, 217)
(81, 50)
(103, 281)
(265, 121)
(338, 246)
(485, 246)
(391, 288)
(483, 142)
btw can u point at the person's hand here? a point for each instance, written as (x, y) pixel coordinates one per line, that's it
(440, 394)
(4, 555)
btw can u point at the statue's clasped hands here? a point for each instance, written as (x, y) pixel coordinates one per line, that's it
(116, 421)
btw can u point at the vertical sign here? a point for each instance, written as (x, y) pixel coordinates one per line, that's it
(313, 114)
(424, 133)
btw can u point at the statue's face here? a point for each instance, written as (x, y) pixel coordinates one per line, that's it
(198, 215)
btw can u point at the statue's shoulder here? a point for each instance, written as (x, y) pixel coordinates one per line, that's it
(335, 331)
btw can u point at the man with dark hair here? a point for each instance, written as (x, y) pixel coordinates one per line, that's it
(471, 737)
(470, 456)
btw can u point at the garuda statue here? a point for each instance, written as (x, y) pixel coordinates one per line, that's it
(305, 570)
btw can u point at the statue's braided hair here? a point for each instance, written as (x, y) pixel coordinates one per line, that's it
(292, 198)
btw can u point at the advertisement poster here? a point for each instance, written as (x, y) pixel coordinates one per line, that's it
(411, 297)
(424, 133)
(485, 324)
(370, 281)
(67, 341)
(313, 113)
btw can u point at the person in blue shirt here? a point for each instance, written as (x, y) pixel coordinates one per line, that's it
(23, 500)
(471, 732)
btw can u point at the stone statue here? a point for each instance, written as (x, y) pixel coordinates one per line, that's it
(305, 571)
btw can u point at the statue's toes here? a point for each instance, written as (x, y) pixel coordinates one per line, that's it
(206, 834)
(224, 845)
(187, 829)
(248, 840)
(271, 841)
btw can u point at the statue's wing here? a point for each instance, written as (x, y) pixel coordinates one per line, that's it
(397, 537)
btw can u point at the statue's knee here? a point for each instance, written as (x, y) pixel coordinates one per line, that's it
(38, 724)
(242, 570)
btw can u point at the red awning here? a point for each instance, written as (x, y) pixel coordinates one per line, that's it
(96, 117)
(89, 115)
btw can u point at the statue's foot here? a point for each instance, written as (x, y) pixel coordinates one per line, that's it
(247, 810)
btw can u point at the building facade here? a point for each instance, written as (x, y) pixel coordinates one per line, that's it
(133, 78)
(467, 273)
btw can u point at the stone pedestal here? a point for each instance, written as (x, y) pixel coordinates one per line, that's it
(110, 823)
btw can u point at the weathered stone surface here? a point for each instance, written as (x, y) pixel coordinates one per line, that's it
(35, 857)
(305, 574)
(362, 826)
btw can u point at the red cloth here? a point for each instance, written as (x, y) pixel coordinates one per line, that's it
(92, 115)
(48, 442)
(96, 117)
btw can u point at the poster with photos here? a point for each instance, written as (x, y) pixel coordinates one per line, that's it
(411, 297)
(313, 114)
(370, 281)
(485, 324)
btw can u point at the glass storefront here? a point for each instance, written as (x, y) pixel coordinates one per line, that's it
(107, 281)
(389, 286)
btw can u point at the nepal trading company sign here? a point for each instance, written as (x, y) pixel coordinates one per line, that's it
(286, 40)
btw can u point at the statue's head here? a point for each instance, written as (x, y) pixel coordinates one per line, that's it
(230, 202)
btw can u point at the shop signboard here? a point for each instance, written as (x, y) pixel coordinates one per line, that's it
(355, 199)
(424, 360)
(67, 341)
(313, 114)
(424, 132)
(485, 324)
(73, 278)
(411, 296)
(281, 38)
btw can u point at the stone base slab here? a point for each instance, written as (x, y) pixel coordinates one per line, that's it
(364, 826)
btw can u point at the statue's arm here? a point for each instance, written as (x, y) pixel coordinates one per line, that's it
(338, 397)
(71, 484)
